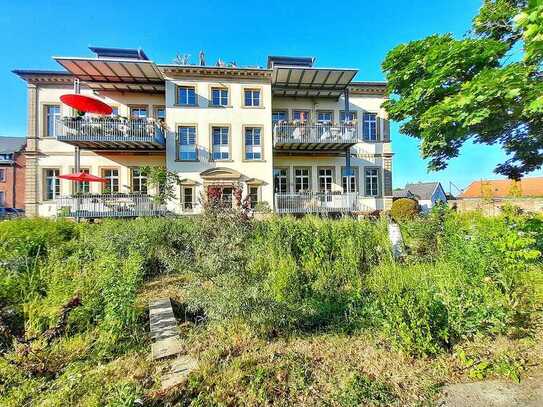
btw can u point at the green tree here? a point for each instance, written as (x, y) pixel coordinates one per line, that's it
(486, 87)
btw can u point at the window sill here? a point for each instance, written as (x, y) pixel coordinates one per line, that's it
(253, 161)
(252, 107)
(220, 106)
(180, 105)
(220, 161)
(187, 161)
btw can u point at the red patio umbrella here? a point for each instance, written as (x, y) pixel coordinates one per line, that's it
(82, 177)
(86, 104)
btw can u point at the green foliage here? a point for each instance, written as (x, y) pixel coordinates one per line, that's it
(404, 208)
(362, 390)
(163, 180)
(446, 91)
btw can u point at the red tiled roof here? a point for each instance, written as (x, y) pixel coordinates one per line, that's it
(502, 188)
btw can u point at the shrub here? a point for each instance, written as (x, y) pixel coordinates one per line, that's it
(404, 208)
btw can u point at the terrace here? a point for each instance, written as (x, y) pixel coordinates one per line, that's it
(109, 133)
(97, 206)
(318, 202)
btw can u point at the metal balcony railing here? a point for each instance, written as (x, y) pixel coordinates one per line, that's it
(317, 202)
(95, 206)
(316, 134)
(108, 129)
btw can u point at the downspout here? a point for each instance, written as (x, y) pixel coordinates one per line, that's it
(348, 149)
(14, 190)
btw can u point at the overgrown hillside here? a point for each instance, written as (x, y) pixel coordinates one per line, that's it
(282, 311)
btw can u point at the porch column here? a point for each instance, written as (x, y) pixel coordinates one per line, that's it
(348, 149)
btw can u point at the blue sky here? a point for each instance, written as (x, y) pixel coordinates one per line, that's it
(345, 34)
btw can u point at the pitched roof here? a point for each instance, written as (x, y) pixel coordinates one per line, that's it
(11, 144)
(422, 190)
(501, 188)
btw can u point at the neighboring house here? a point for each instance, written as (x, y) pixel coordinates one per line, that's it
(294, 136)
(12, 172)
(427, 194)
(491, 195)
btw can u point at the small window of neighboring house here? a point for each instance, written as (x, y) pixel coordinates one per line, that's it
(300, 115)
(139, 181)
(187, 143)
(253, 143)
(279, 115)
(51, 183)
(2, 174)
(371, 176)
(112, 176)
(350, 117)
(139, 113)
(253, 196)
(252, 97)
(52, 113)
(2, 198)
(221, 146)
(369, 126)
(186, 95)
(349, 179)
(219, 96)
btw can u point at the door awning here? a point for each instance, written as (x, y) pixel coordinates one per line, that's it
(310, 82)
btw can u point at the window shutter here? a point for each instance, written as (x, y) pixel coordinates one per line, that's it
(387, 171)
(378, 128)
(386, 131)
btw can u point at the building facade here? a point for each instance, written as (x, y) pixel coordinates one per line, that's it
(293, 137)
(12, 172)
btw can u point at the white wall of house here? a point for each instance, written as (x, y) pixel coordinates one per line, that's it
(234, 116)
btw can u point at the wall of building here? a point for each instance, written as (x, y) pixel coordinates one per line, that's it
(492, 207)
(13, 185)
(235, 116)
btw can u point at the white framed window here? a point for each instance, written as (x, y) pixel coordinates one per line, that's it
(369, 126)
(350, 117)
(51, 183)
(252, 97)
(253, 143)
(52, 113)
(139, 112)
(84, 187)
(138, 181)
(186, 95)
(279, 115)
(253, 195)
(349, 179)
(160, 112)
(2, 174)
(302, 179)
(301, 115)
(221, 145)
(112, 176)
(219, 96)
(280, 180)
(326, 178)
(371, 181)
(325, 117)
(186, 136)
(187, 198)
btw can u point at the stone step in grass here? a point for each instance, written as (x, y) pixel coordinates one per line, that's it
(166, 343)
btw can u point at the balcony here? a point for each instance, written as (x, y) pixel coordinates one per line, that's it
(97, 206)
(318, 202)
(312, 137)
(110, 133)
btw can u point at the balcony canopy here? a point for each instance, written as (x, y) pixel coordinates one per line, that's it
(310, 82)
(115, 74)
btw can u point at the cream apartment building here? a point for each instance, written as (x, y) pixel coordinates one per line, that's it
(294, 137)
